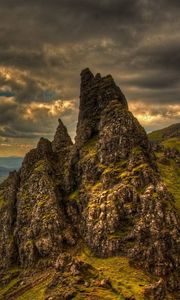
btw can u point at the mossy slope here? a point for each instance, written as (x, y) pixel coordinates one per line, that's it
(169, 168)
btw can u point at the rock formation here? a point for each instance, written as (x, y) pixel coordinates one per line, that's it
(96, 92)
(104, 192)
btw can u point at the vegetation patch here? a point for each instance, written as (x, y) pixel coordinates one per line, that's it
(137, 150)
(25, 288)
(169, 168)
(171, 176)
(74, 196)
(156, 135)
(168, 136)
(116, 167)
(37, 292)
(40, 166)
(172, 143)
(127, 281)
(9, 287)
(89, 149)
(9, 281)
(2, 201)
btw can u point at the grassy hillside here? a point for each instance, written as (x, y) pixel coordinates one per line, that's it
(171, 175)
(164, 134)
(172, 143)
(170, 138)
(127, 282)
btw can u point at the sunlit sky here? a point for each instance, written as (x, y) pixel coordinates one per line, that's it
(46, 43)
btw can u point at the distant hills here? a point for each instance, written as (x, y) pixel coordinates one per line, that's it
(169, 136)
(8, 164)
(165, 133)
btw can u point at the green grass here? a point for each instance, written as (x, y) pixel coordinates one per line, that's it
(165, 133)
(40, 166)
(37, 292)
(170, 171)
(97, 293)
(74, 196)
(171, 176)
(137, 150)
(12, 275)
(172, 143)
(89, 149)
(24, 292)
(8, 287)
(156, 135)
(117, 167)
(126, 281)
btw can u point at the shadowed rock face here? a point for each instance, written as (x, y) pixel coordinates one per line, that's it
(8, 213)
(61, 139)
(96, 93)
(104, 191)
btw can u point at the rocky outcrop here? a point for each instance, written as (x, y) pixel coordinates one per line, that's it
(62, 140)
(155, 291)
(119, 134)
(41, 228)
(8, 213)
(96, 92)
(104, 192)
(73, 274)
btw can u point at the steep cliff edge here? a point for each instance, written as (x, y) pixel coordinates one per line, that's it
(104, 192)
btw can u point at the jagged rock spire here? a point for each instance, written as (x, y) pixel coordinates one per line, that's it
(103, 89)
(44, 146)
(95, 94)
(61, 138)
(86, 77)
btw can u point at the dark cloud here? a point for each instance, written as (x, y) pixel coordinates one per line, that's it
(164, 56)
(26, 89)
(46, 43)
(165, 81)
(33, 121)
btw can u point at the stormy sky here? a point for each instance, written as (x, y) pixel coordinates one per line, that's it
(44, 44)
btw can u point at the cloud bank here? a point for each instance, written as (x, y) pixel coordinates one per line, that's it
(45, 44)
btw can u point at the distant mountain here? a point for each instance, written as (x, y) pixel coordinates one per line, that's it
(8, 164)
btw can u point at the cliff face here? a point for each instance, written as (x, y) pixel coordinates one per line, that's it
(95, 94)
(104, 192)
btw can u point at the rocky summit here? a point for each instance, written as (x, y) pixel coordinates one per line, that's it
(93, 219)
